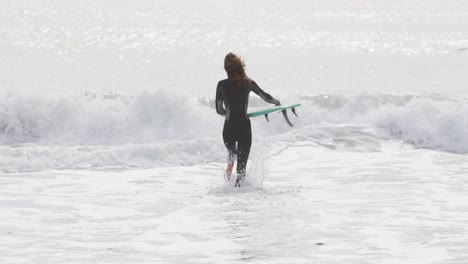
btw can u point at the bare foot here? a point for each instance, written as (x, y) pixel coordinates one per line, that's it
(229, 170)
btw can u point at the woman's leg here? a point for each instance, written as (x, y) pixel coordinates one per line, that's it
(244, 144)
(232, 154)
(230, 143)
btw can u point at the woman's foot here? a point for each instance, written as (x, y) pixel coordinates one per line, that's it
(229, 171)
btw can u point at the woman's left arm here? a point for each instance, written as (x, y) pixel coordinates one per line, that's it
(220, 100)
(265, 96)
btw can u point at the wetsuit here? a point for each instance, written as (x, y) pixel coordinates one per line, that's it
(237, 127)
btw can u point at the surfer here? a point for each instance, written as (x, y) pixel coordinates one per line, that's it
(233, 92)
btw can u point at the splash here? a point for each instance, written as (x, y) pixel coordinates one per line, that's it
(163, 128)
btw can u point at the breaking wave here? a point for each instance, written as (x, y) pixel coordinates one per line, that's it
(120, 130)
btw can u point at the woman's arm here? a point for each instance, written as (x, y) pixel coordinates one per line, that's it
(220, 100)
(265, 96)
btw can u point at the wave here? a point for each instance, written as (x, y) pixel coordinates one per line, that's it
(426, 121)
(99, 119)
(161, 128)
(29, 157)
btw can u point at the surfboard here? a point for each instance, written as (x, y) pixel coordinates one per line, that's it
(273, 109)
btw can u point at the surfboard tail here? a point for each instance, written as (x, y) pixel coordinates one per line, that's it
(282, 109)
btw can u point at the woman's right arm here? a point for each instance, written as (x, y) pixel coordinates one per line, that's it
(265, 96)
(220, 100)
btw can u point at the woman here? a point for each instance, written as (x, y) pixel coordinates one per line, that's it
(233, 92)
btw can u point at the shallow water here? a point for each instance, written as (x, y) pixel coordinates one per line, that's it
(316, 205)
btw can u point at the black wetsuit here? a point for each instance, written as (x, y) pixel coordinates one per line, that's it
(237, 127)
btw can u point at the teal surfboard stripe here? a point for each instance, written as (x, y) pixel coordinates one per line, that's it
(272, 110)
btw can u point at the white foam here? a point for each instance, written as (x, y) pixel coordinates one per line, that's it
(94, 130)
(432, 121)
(116, 118)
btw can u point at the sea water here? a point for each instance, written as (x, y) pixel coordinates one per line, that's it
(111, 150)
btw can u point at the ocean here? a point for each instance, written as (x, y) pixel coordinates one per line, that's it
(111, 149)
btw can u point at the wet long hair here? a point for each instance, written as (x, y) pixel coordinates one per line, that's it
(235, 69)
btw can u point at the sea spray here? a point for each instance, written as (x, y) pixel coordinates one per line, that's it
(102, 119)
(258, 168)
(166, 128)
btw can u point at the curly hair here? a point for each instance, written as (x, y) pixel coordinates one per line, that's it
(235, 69)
